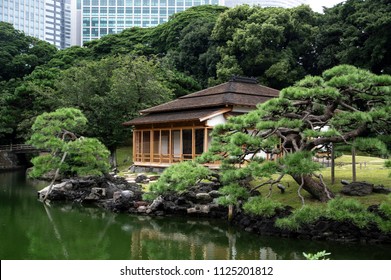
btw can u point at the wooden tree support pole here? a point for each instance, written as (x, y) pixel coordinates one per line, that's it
(332, 164)
(354, 176)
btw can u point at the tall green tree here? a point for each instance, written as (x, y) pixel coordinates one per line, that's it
(20, 54)
(186, 40)
(68, 153)
(275, 45)
(111, 91)
(343, 104)
(356, 32)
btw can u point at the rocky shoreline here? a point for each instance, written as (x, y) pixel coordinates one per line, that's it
(117, 194)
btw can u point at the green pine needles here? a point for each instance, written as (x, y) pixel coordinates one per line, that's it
(178, 178)
(339, 209)
(58, 134)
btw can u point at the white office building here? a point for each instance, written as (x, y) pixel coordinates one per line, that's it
(266, 3)
(48, 20)
(102, 17)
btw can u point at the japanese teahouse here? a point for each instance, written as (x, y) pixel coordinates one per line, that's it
(180, 129)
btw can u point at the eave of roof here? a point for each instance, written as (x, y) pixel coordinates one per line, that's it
(178, 116)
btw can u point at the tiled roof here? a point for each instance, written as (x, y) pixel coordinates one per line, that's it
(233, 93)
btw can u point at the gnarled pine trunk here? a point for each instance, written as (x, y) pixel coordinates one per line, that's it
(314, 187)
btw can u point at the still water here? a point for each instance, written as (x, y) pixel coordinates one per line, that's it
(30, 230)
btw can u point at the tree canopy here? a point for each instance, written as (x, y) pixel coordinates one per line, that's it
(355, 33)
(58, 133)
(275, 45)
(20, 54)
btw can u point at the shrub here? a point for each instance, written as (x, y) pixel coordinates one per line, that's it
(338, 209)
(317, 256)
(262, 206)
(305, 215)
(341, 209)
(385, 207)
(179, 177)
(232, 194)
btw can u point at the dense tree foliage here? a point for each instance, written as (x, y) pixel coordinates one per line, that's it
(357, 33)
(111, 91)
(343, 104)
(58, 133)
(20, 54)
(275, 45)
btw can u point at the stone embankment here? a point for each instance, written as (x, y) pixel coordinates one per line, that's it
(124, 195)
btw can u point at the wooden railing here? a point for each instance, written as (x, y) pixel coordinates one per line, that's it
(17, 147)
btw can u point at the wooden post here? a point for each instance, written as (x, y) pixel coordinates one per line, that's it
(151, 139)
(332, 164)
(205, 139)
(134, 145)
(192, 143)
(170, 146)
(354, 164)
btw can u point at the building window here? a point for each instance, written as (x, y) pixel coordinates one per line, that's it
(129, 11)
(86, 22)
(146, 10)
(120, 10)
(163, 11)
(103, 11)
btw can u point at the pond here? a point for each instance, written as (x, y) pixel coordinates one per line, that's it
(30, 230)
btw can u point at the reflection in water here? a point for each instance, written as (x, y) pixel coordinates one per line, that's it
(31, 230)
(56, 232)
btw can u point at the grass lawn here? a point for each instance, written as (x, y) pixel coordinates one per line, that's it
(372, 172)
(124, 158)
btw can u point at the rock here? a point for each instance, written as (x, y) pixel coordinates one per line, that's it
(141, 178)
(96, 194)
(345, 182)
(142, 209)
(281, 187)
(214, 194)
(357, 189)
(204, 197)
(199, 209)
(122, 195)
(154, 178)
(62, 187)
(137, 204)
(381, 189)
(156, 204)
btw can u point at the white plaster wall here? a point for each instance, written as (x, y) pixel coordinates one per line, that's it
(216, 120)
